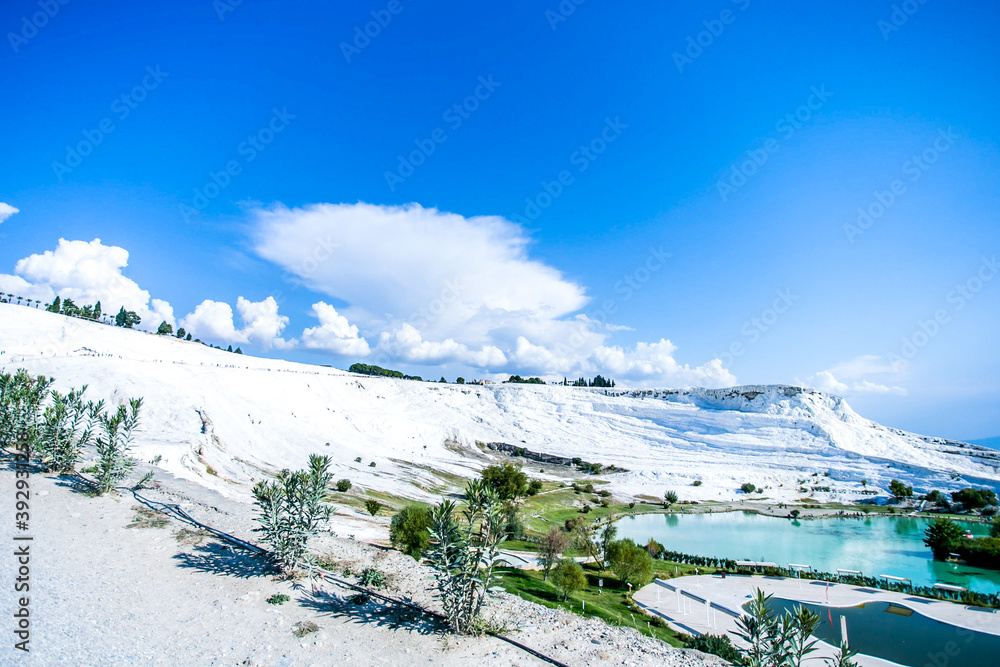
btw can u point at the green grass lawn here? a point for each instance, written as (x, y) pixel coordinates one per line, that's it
(609, 603)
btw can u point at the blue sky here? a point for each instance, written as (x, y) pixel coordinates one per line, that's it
(667, 194)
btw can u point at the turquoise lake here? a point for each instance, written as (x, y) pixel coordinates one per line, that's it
(873, 545)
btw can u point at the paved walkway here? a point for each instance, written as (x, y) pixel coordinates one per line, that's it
(684, 604)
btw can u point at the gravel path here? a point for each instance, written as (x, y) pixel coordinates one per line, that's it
(104, 593)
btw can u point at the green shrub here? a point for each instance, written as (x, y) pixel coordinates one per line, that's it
(900, 490)
(278, 598)
(569, 578)
(506, 479)
(21, 397)
(654, 548)
(463, 553)
(410, 530)
(630, 562)
(373, 506)
(344, 485)
(68, 427)
(114, 461)
(371, 465)
(291, 508)
(372, 577)
(514, 527)
(696, 482)
(534, 487)
(941, 536)
(974, 499)
(748, 487)
(937, 498)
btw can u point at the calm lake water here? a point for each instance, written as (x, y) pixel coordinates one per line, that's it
(875, 545)
(904, 636)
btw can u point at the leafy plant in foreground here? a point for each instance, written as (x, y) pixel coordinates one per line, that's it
(21, 398)
(776, 641)
(114, 462)
(291, 509)
(463, 553)
(68, 427)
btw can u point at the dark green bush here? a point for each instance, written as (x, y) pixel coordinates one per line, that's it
(410, 530)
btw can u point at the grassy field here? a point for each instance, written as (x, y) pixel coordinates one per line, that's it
(609, 603)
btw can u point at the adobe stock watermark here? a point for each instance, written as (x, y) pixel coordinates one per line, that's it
(696, 44)
(363, 35)
(632, 282)
(248, 150)
(912, 169)
(454, 116)
(786, 126)
(562, 12)
(957, 299)
(31, 24)
(22, 548)
(223, 7)
(900, 14)
(581, 158)
(758, 325)
(121, 107)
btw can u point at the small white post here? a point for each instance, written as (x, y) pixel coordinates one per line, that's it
(843, 630)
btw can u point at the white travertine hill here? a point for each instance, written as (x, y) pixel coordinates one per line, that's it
(245, 417)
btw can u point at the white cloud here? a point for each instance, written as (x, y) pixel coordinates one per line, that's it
(442, 288)
(440, 272)
(334, 333)
(407, 344)
(849, 377)
(18, 286)
(262, 324)
(866, 364)
(825, 381)
(213, 322)
(6, 210)
(87, 273)
(655, 362)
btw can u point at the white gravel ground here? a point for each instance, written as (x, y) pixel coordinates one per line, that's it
(106, 594)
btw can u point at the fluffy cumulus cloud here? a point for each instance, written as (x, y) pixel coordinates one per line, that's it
(439, 272)
(439, 288)
(86, 273)
(655, 361)
(407, 344)
(334, 333)
(213, 322)
(6, 210)
(850, 377)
